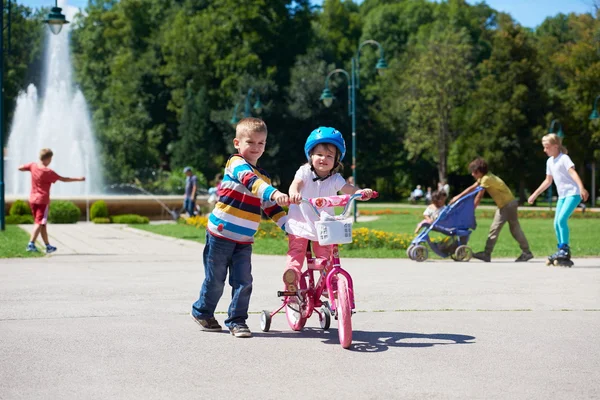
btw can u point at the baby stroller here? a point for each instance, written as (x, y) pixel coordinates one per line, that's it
(456, 221)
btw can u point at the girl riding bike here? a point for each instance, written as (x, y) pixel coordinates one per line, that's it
(319, 177)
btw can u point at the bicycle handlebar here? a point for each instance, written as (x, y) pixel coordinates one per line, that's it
(331, 201)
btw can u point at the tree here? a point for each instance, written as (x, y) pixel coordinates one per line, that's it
(435, 83)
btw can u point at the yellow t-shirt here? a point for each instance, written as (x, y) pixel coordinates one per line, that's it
(496, 187)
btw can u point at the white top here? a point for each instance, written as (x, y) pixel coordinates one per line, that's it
(558, 167)
(301, 217)
(432, 212)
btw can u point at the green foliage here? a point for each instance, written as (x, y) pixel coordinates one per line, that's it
(129, 219)
(101, 220)
(19, 207)
(18, 219)
(63, 212)
(99, 210)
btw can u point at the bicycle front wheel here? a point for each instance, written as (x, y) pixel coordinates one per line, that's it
(344, 311)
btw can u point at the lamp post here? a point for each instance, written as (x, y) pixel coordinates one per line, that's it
(353, 81)
(55, 21)
(560, 132)
(257, 106)
(594, 116)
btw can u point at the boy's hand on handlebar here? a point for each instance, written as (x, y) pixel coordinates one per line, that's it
(281, 198)
(295, 198)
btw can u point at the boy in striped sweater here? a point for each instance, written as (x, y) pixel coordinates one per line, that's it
(244, 191)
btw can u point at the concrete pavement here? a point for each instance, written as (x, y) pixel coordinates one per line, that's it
(107, 317)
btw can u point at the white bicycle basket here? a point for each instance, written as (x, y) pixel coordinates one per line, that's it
(334, 232)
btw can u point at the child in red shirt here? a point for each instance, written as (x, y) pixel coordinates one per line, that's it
(39, 198)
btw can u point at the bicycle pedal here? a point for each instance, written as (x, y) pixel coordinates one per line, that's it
(287, 293)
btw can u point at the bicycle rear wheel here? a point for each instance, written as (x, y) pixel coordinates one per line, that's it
(344, 311)
(297, 311)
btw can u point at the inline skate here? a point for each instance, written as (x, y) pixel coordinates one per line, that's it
(551, 258)
(563, 257)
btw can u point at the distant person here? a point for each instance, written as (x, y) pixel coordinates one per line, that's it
(191, 186)
(416, 194)
(561, 170)
(245, 191)
(432, 212)
(428, 195)
(42, 178)
(443, 186)
(213, 192)
(507, 210)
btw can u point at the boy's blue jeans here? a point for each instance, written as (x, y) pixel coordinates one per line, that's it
(221, 256)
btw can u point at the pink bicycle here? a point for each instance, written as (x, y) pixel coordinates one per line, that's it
(331, 280)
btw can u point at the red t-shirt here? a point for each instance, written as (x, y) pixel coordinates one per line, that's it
(41, 179)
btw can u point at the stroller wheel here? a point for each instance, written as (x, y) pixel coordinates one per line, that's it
(409, 250)
(419, 253)
(463, 253)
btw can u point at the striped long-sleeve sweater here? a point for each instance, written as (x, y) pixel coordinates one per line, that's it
(245, 189)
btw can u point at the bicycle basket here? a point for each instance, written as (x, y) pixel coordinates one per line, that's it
(334, 232)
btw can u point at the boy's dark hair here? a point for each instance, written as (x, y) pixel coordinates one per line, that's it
(45, 154)
(479, 165)
(438, 195)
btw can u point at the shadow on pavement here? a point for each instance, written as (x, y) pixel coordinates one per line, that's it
(375, 341)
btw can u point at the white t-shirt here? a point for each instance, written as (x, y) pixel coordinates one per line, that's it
(558, 167)
(432, 212)
(301, 217)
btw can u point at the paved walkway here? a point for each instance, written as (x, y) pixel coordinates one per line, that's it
(107, 317)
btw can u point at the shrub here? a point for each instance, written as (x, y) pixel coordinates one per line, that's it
(19, 207)
(101, 220)
(129, 219)
(99, 210)
(63, 212)
(18, 219)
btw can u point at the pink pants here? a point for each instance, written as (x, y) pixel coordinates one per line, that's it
(297, 253)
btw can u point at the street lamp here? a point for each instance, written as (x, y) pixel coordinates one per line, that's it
(353, 83)
(257, 107)
(55, 20)
(560, 132)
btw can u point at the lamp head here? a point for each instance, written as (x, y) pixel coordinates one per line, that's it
(258, 106)
(56, 19)
(381, 66)
(327, 97)
(594, 114)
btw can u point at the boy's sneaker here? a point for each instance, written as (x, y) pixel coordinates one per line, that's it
(240, 330)
(524, 257)
(31, 247)
(483, 256)
(50, 249)
(208, 324)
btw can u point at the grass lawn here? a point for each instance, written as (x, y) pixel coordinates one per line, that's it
(13, 242)
(539, 232)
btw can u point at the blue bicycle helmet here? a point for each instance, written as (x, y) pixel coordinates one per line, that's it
(325, 135)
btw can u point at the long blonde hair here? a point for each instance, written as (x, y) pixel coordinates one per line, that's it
(553, 138)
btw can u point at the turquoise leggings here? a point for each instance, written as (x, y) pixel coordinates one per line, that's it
(564, 208)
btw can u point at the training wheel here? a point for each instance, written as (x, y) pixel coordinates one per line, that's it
(325, 318)
(265, 321)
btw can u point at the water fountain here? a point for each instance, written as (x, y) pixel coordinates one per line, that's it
(56, 117)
